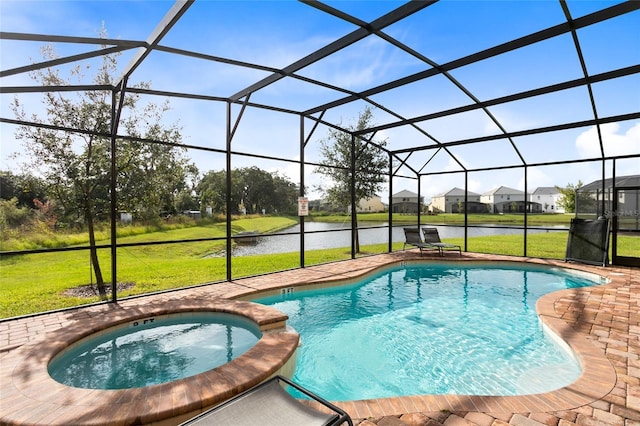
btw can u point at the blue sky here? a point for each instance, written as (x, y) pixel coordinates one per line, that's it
(278, 33)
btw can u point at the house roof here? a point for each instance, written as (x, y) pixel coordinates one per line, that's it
(632, 180)
(546, 190)
(405, 194)
(455, 192)
(504, 190)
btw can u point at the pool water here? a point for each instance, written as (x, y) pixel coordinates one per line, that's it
(431, 329)
(154, 350)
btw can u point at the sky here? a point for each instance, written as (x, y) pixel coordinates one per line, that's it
(279, 33)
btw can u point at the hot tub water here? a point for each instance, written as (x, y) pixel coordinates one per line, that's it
(154, 350)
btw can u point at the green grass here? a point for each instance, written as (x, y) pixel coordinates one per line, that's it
(548, 245)
(34, 283)
(454, 218)
(181, 230)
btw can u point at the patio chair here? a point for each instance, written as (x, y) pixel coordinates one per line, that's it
(432, 238)
(412, 238)
(270, 404)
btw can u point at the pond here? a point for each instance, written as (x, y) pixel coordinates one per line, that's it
(325, 235)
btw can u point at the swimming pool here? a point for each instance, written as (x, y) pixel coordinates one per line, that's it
(433, 328)
(154, 350)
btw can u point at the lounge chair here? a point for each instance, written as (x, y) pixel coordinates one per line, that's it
(270, 404)
(412, 238)
(432, 238)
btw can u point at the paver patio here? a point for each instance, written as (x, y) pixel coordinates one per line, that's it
(602, 323)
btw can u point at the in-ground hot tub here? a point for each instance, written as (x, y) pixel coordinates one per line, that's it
(39, 399)
(154, 350)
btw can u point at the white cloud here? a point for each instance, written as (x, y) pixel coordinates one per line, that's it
(536, 178)
(357, 66)
(615, 143)
(475, 186)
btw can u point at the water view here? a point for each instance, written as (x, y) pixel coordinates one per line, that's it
(325, 235)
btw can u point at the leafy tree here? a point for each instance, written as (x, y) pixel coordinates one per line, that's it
(23, 187)
(12, 215)
(285, 199)
(370, 163)
(46, 212)
(185, 200)
(212, 191)
(154, 177)
(257, 189)
(251, 187)
(76, 166)
(568, 199)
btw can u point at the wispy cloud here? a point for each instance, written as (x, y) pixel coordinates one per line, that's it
(615, 141)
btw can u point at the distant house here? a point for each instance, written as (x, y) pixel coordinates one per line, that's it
(590, 197)
(370, 205)
(453, 201)
(319, 205)
(504, 200)
(406, 202)
(548, 197)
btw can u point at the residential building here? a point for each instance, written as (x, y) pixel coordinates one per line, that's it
(548, 197)
(406, 202)
(504, 200)
(319, 205)
(370, 205)
(591, 197)
(453, 201)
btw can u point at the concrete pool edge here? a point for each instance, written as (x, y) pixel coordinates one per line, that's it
(35, 398)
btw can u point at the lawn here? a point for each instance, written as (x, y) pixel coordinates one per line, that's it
(456, 219)
(37, 282)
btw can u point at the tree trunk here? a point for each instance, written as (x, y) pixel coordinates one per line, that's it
(102, 291)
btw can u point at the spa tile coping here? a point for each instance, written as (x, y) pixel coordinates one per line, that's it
(35, 398)
(31, 396)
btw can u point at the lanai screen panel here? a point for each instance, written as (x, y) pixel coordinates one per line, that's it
(561, 145)
(436, 74)
(519, 90)
(617, 96)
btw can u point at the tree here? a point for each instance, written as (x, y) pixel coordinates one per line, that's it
(23, 187)
(251, 187)
(370, 161)
(185, 200)
(568, 199)
(212, 191)
(76, 165)
(12, 215)
(154, 178)
(256, 188)
(285, 199)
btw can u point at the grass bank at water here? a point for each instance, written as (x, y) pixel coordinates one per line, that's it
(455, 219)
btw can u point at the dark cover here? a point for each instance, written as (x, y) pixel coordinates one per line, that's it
(589, 241)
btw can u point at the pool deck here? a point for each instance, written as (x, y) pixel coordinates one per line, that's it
(601, 324)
